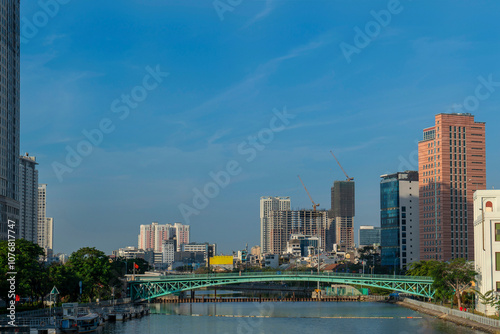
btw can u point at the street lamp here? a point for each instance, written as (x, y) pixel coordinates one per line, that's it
(395, 266)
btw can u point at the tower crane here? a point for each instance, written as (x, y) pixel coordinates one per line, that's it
(314, 204)
(347, 176)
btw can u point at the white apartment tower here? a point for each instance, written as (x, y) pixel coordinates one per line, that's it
(45, 224)
(267, 205)
(28, 198)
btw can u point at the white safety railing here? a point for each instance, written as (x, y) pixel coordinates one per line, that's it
(465, 315)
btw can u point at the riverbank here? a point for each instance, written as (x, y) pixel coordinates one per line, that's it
(443, 314)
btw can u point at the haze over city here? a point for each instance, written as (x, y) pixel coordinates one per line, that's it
(232, 75)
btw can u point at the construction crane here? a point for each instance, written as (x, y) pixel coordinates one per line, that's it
(314, 204)
(347, 176)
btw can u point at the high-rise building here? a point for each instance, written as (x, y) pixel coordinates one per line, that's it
(342, 213)
(152, 236)
(268, 204)
(182, 234)
(49, 227)
(399, 218)
(42, 210)
(452, 165)
(369, 236)
(9, 116)
(284, 223)
(28, 199)
(45, 224)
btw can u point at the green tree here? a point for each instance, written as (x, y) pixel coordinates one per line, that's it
(450, 278)
(459, 275)
(371, 255)
(31, 278)
(66, 281)
(93, 268)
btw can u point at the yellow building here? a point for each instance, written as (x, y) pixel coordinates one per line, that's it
(221, 261)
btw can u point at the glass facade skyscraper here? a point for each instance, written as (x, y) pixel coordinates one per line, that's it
(9, 114)
(399, 223)
(389, 221)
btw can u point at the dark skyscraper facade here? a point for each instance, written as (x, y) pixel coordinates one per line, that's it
(9, 114)
(342, 212)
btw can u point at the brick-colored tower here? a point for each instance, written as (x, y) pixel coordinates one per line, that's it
(452, 165)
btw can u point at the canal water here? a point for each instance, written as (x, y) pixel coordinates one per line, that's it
(285, 317)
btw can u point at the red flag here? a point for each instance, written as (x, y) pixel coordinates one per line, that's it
(136, 266)
(18, 298)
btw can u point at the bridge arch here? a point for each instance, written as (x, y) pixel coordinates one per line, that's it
(146, 288)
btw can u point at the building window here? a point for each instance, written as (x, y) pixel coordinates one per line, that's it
(497, 231)
(498, 286)
(497, 261)
(489, 207)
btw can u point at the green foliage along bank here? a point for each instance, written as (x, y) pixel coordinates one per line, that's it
(100, 277)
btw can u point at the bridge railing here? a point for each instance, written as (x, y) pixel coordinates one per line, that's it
(283, 273)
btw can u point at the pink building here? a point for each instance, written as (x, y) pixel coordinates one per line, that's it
(152, 236)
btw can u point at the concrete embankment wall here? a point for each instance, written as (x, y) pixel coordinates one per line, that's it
(459, 317)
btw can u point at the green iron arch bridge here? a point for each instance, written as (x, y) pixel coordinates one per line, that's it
(149, 287)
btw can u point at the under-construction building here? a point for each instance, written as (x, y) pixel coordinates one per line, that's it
(284, 223)
(341, 214)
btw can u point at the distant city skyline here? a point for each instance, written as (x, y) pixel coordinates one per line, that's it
(138, 109)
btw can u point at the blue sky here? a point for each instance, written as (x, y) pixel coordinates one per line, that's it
(229, 72)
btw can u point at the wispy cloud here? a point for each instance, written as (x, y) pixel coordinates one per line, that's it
(361, 146)
(426, 47)
(249, 86)
(49, 40)
(218, 135)
(268, 9)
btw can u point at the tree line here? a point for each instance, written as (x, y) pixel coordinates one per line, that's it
(99, 276)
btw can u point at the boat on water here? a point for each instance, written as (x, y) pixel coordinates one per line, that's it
(82, 324)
